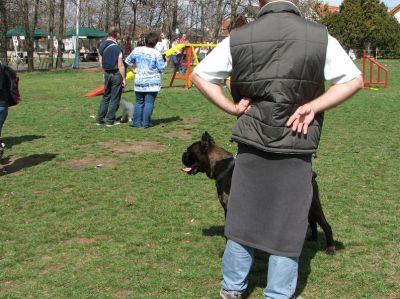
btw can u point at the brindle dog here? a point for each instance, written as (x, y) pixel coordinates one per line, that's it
(217, 163)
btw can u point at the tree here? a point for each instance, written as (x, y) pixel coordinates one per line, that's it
(363, 24)
(3, 32)
(50, 46)
(60, 33)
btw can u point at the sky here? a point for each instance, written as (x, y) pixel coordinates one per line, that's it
(389, 3)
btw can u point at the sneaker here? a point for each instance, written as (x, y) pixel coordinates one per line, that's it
(230, 294)
(114, 124)
(99, 124)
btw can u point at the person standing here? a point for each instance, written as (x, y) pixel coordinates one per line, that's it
(278, 66)
(150, 65)
(175, 56)
(182, 55)
(162, 45)
(9, 96)
(127, 46)
(114, 78)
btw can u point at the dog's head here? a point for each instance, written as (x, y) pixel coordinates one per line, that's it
(196, 158)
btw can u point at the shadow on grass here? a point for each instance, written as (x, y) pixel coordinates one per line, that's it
(22, 163)
(160, 121)
(15, 140)
(258, 274)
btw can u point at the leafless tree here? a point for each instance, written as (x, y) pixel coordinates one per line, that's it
(3, 32)
(60, 35)
(50, 44)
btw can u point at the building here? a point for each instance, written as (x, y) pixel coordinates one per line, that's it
(396, 12)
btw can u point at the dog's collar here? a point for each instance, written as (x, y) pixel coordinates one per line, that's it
(221, 175)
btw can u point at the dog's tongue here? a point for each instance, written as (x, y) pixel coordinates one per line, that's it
(187, 169)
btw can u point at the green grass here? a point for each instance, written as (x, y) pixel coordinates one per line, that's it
(140, 228)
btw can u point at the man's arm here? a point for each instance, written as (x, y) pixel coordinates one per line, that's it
(335, 95)
(214, 93)
(121, 69)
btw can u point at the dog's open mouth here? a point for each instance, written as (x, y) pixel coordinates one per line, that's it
(192, 170)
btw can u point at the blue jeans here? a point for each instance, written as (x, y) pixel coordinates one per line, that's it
(143, 109)
(174, 59)
(111, 98)
(3, 116)
(236, 264)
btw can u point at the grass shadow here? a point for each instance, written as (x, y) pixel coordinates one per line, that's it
(25, 162)
(160, 121)
(15, 140)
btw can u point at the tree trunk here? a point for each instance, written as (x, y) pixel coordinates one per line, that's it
(219, 17)
(29, 39)
(3, 33)
(116, 19)
(174, 16)
(60, 33)
(134, 10)
(107, 22)
(50, 44)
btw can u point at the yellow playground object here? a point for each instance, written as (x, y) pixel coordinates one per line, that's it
(189, 51)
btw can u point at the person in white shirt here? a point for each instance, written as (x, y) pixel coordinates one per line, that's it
(162, 45)
(278, 65)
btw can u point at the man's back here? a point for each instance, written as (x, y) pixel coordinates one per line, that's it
(109, 51)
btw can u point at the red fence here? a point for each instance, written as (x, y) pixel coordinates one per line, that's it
(372, 72)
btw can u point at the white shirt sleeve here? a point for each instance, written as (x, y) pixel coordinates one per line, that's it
(217, 65)
(339, 68)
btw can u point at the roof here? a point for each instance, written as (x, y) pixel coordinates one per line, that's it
(332, 8)
(87, 32)
(20, 31)
(395, 10)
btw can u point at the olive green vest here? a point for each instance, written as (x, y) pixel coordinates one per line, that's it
(278, 61)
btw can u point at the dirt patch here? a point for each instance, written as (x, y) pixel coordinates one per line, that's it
(134, 147)
(179, 134)
(91, 70)
(92, 162)
(79, 240)
(7, 287)
(190, 122)
(123, 293)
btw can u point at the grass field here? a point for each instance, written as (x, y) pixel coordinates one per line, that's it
(94, 212)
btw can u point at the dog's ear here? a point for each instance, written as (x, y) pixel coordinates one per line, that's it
(206, 142)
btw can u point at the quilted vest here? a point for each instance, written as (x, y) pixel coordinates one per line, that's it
(278, 61)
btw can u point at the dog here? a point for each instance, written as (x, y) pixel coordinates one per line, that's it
(218, 164)
(127, 111)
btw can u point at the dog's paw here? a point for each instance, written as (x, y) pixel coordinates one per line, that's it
(330, 250)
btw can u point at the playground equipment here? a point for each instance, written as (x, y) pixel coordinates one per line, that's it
(188, 51)
(100, 90)
(371, 66)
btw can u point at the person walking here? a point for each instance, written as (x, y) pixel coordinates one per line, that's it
(9, 96)
(114, 78)
(149, 67)
(278, 66)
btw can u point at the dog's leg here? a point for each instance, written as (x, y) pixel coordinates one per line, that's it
(318, 215)
(313, 227)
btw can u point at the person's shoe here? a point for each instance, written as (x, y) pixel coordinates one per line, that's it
(230, 294)
(99, 124)
(114, 124)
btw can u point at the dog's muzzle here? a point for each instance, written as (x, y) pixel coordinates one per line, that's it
(192, 167)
